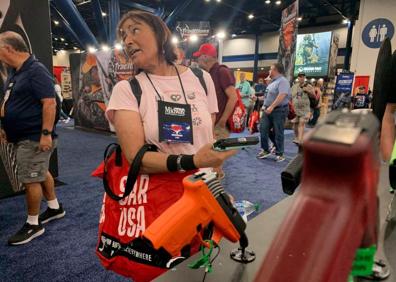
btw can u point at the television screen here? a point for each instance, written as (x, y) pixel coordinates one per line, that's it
(312, 55)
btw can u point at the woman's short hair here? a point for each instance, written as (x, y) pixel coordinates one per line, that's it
(162, 34)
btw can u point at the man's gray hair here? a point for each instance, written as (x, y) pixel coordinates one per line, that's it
(14, 40)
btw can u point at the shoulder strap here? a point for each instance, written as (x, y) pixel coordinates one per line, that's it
(136, 89)
(133, 172)
(199, 73)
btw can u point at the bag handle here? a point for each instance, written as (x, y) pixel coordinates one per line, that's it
(133, 172)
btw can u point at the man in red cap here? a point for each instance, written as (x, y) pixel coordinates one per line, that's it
(224, 82)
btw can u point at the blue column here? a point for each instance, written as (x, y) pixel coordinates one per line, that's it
(114, 18)
(100, 24)
(347, 63)
(256, 58)
(77, 23)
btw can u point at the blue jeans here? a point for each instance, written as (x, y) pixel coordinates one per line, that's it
(274, 121)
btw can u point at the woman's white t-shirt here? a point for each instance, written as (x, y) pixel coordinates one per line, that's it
(169, 88)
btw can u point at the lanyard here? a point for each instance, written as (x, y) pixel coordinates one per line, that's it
(181, 85)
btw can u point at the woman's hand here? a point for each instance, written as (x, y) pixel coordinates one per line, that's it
(207, 157)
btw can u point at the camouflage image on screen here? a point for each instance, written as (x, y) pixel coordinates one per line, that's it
(312, 54)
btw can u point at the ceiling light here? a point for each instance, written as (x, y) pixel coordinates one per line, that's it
(299, 19)
(218, 1)
(251, 16)
(267, 2)
(238, 69)
(66, 43)
(104, 14)
(221, 35)
(105, 47)
(175, 40)
(233, 35)
(91, 49)
(75, 48)
(56, 38)
(56, 22)
(62, 39)
(118, 46)
(207, 0)
(278, 2)
(261, 68)
(346, 21)
(193, 38)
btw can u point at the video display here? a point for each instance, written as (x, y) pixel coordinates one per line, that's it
(312, 54)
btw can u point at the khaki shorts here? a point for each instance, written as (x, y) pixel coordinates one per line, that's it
(32, 163)
(300, 119)
(221, 133)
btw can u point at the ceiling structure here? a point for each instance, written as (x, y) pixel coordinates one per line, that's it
(229, 15)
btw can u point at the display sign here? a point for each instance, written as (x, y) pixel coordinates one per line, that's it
(66, 84)
(312, 55)
(343, 90)
(187, 28)
(287, 39)
(376, 31)
(361, 80)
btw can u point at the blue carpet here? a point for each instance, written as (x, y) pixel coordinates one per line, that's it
(66, 251)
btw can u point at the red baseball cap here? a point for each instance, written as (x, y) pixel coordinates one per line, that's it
(206, 49)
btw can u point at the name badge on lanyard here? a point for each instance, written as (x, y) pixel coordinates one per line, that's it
(174, 120)
(175, 123)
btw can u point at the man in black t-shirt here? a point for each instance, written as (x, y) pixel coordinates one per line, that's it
(361, 100)
(27, 114)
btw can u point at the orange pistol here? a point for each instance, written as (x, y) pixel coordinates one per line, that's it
(204, 202)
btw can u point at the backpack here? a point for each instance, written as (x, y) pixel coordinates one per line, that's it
(137, 90)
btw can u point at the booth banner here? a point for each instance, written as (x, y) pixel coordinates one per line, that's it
(361, 80)
(333, 55)
(16, 16)
(66, 84)
(187, 28)
(343, 90)
(313, 52)
(287, 39)
(98, 73)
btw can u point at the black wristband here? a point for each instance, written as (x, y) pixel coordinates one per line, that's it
(171, 163)
(187, 162)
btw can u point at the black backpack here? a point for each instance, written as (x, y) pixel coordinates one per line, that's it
(137, 90)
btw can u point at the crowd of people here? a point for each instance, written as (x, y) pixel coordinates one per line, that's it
(207, 103)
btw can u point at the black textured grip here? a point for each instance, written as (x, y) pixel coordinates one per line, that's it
(291, 176)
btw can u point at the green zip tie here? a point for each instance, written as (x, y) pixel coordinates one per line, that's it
(364, 261)
(204, 260)
(350, 278)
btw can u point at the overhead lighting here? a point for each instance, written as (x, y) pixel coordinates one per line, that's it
(105, 47)
(251, 16)
(346, 21)
(118, 46)
(56, 38)
(238, 69)
(261, 68)
(207, 0)
(267, 2)
(299, 19)
(62, 39)
(193, 38)
(221, 35)
(233, 35)
(218, 1)
(66, 43)
(56, 22)
(175, 40)
(92, 49)
(278, 2)
(104, 14)
(75, 48)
